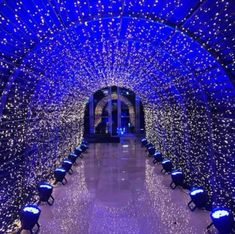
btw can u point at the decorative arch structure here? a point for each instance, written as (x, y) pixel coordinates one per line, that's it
(101, 104)
(177, 56)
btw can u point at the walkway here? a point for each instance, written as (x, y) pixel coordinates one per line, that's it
(116, 189)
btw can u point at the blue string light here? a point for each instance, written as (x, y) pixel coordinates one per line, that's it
(177, 56)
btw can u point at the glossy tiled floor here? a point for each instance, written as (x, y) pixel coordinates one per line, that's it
(115, 188)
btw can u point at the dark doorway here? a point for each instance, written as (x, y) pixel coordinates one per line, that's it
(114, 111)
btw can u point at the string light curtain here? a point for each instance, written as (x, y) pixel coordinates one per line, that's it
(177, 55)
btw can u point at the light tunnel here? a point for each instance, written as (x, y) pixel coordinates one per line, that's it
(177, 56)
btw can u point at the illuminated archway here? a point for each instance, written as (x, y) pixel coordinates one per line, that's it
(177, 56)
(101, 104)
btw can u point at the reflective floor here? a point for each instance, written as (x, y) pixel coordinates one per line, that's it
(116, 189)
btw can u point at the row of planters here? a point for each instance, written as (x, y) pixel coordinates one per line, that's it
(222, 218)
(29, 214)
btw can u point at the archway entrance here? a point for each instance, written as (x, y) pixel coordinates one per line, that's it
(114, 111)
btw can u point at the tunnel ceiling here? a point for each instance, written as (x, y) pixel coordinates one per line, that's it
(177, 55)
(28, 23)
(111, 39)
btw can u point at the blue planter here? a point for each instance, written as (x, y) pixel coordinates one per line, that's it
(67, 165)
(199, 197)
(59, 174)
(222, 219)
(73, 157)
(177, 177)
(45, 193)
(29, 217)
(167, 166)
(157, 157)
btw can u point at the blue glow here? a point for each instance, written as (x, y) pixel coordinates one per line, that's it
(177, 173)
(60, 169)
(125, 146)
(196, 191)
(46, 186)
(68, 161)
(121, 131)
(31, 209)
(219, 213)
(165, 161)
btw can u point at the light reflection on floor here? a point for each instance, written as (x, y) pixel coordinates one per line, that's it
(116, 189)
